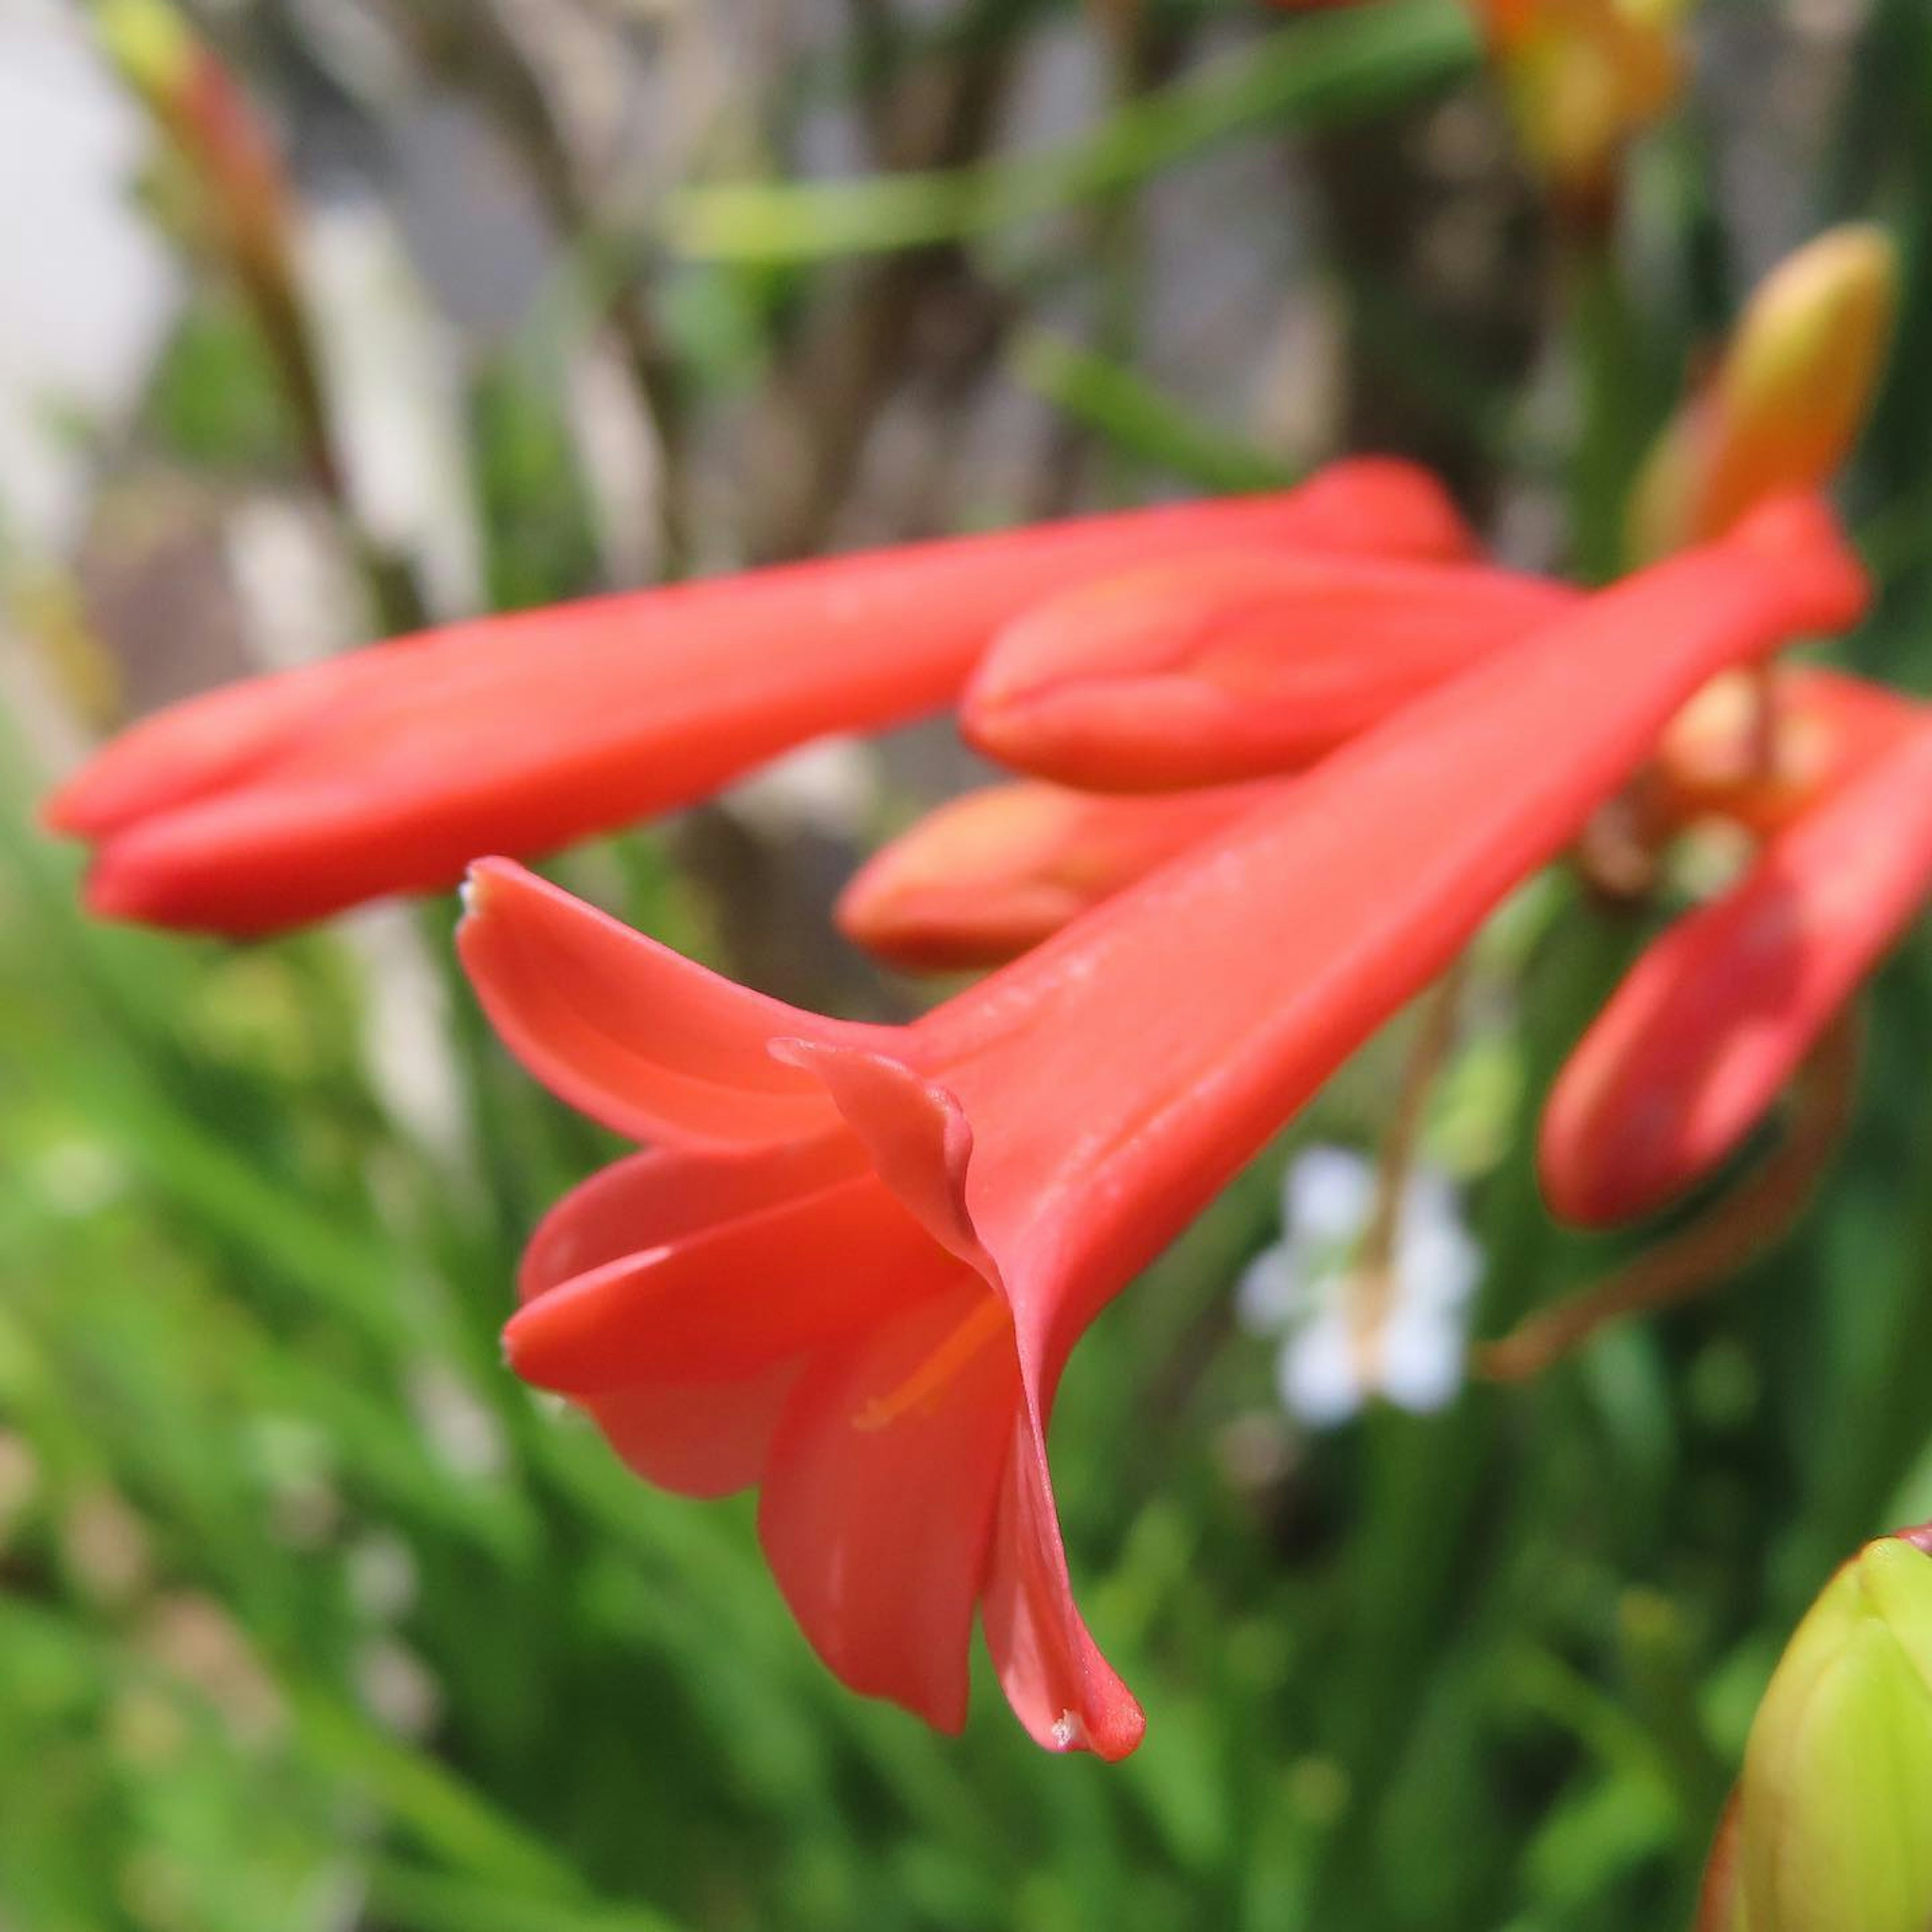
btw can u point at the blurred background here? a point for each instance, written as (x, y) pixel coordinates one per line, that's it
(310, 1616)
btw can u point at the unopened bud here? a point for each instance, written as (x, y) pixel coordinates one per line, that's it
(1830, 1828)
(1235, 666)
(150, 44)
(1585, 77)
(987, 876)
(1789, 399)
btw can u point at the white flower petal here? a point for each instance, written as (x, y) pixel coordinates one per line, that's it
(1316, 1373)
(1420, 1360)
(1329, 1195)
(1269, 1293)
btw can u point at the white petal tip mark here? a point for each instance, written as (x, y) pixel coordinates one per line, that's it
(1069, 1733)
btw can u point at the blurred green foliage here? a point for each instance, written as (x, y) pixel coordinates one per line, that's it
(313, 1617)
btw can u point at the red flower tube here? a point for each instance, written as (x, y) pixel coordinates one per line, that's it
(852, 1268)
(1234, 666)
(287, 797)
(983, 877)
(1700, 1039)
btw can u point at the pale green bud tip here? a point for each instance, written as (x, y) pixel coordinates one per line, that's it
(1833, 1815)
(1825, 313)
(149, 41)
(1789, 400)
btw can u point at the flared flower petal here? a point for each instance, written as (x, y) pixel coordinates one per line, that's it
(801, 1270)
(1025, 1148)
(878, 1505)
(1234, 666)
(984, 877)
(689, 1064)
(287, 797)
(702, 1439)
(1699, 1040)
(1060, 1687)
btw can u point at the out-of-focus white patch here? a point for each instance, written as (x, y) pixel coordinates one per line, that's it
(298, 600)
(393, 374)
(830, 788)
(623, 463)
(458, 1427)
(405, 1047)
(1305, 1290)
(90, 288)
(383, 1577)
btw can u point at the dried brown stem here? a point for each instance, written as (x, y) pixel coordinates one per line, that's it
(1756, 1214)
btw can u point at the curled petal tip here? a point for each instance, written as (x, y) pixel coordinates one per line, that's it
(530, 1344)
(475, 893)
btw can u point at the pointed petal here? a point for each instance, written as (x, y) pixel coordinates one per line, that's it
(1700, 1039)
(291, 796)
(1060, 1687)
(668, 1194)
(1233, 665)
(628, 1031)
(983, 877)
(730, 1297)
(879, 1498)
(698, 1438)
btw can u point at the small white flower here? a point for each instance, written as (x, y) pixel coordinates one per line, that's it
(1335, 1352)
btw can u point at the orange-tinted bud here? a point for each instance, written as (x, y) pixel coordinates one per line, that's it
(1825, 727)
(209, 122)
(983, 878)
(1788, 400)
(1585, 77)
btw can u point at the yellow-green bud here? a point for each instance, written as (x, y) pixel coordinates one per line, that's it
(1585, 77)
(1831, 1827)
(1789, 400)
(149, 42)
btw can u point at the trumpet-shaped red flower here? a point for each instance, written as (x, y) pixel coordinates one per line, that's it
(979, 881)
(287, 797)
(853, 1267)
(1701, 1038)
(1234, 666)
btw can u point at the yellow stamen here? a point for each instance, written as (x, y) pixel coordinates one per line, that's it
(987, 1320)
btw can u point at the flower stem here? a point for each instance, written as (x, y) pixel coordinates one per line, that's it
(1372, 1285)
(1758, 1212)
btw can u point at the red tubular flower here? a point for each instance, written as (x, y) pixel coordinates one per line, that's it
(288, 797)
(1234, 666)
(985, 876)
(853, 1268)
(1701, 1038)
